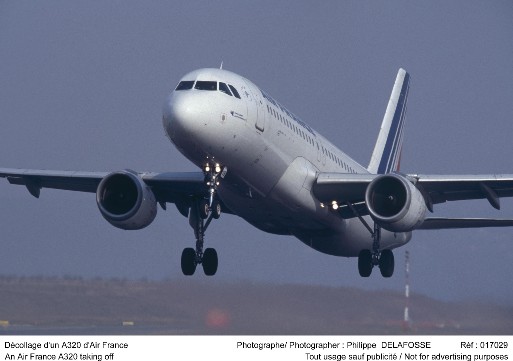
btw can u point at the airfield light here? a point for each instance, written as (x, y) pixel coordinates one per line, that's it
(407, 320)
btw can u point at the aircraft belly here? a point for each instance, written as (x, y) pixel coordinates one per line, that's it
(265, 213)
(350, 237)
(290, 208)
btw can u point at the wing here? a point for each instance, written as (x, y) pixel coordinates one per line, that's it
(348, 191)
(450, 223)
(172, 187)
(440, 188)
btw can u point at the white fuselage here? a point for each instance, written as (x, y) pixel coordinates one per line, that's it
(272, 158)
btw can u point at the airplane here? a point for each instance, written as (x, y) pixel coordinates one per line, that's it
(263, 163)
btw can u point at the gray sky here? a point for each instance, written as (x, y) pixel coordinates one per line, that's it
(82, 84)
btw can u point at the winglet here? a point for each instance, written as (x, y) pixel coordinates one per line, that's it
(386, 156)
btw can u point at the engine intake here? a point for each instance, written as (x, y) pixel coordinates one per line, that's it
(125, 201)
(395, 203)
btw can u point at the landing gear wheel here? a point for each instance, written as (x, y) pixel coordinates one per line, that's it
(216, 210)
(365, 263)
(386, 263)
(204, 209)
(188, 261)
(210, 262)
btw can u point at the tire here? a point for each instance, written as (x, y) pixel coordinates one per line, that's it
(216, 210)
(188, 261)
(204, 209)
(365, 263)
(386, 263)
(210, 262)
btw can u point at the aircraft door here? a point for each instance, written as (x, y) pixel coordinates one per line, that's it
(256, 104)
(260, 118)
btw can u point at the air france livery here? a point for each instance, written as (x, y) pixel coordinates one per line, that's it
(263, 163)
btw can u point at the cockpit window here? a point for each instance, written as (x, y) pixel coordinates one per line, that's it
(185, 85)
(234, 91)
(206, 85)
(224, 88)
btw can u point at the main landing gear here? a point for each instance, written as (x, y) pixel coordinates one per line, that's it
(367, 259)
(202, 212)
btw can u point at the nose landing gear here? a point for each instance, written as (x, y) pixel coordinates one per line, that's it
(201, 214)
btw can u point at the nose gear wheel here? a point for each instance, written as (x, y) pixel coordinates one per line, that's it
(201, 213)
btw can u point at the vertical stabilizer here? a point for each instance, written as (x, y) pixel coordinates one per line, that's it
(386, 156)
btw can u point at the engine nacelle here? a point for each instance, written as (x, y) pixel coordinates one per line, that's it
(395, 203)
(125, 201)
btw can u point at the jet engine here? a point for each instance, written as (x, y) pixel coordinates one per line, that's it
(125, 201)
(395, 203)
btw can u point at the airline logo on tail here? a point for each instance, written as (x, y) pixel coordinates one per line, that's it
(386, 156)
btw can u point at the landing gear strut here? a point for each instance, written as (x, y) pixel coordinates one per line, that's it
(200, 215)
(367, 259)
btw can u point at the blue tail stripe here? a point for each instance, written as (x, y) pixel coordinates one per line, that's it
(393, 144)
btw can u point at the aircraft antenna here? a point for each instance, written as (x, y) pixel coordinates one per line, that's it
(221, 67)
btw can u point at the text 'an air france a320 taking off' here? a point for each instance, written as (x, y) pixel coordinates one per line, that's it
(261, 162)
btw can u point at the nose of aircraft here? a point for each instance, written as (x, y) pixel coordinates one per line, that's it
(174, 114)
(180, 115)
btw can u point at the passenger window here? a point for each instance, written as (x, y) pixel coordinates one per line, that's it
(234, 91)
(206, 85)
(185, 85)
(224, 88)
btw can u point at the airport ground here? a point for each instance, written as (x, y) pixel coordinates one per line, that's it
(188, 306)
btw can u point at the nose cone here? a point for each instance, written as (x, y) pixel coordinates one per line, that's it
(180, 115)
(188, 119)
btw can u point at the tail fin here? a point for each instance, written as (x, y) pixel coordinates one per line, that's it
(386, 156)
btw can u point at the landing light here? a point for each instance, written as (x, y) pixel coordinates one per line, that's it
(218, 168)
(334, 205)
